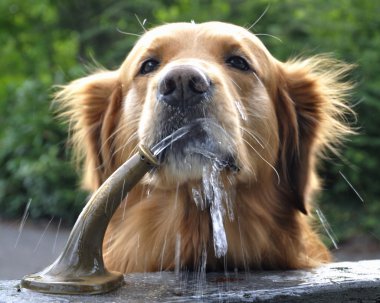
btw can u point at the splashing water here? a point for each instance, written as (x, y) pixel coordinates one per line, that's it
(229, 197)
(163, 253)
(177, 254)
(207, 125)
(22, 223)
(241, 110)
(56, 235)
(167, 141)
(198, 199)
(43, 234)
(352, 187)
(200, 275)
(327, 227)
(212, 192)
(215, 194)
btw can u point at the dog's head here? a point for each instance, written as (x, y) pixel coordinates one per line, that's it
(234, 103)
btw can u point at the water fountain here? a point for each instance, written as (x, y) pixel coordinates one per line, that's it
(80, 268)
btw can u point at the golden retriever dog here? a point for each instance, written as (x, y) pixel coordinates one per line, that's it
(237, 190)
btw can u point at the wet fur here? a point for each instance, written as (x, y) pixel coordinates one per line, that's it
(295, 111)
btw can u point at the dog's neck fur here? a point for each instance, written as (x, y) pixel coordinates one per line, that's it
(171, 218)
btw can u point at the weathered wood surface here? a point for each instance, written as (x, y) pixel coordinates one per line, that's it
(336, 282)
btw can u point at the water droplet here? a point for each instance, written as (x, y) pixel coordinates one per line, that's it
(327, 227)
(163, 252)
(23, 220)
(56, 235)
(352, 187)
(176, 196)
(241, 110)
(124, 204)
(43, 234)
(178, 254)
(198, 199)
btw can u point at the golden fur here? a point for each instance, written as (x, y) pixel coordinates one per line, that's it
(292, 112)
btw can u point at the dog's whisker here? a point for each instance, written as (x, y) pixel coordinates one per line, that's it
(110, 137)
(250, 112)
(258, 19)
(133, 151)
(206, 123)
(141, 23)
(252, 135)
(210, 122)
(235, 83)
(126, 33)
(258, 79)
(125, 145)
(266, 161)
(269, 35)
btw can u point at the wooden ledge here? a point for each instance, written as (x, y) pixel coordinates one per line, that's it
(333, 283)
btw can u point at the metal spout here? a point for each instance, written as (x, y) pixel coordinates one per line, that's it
(80, 268)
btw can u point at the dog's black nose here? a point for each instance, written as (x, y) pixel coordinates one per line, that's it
(184, 86)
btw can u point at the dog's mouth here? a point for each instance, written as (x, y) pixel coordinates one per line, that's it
(201, 150)
(195, 145)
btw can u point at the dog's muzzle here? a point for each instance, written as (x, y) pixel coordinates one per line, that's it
(184, 105)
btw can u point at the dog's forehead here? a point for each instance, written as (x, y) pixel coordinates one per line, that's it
(207, 28)
(191, 34)
(205, 41)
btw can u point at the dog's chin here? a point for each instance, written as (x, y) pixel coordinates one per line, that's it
(188, 150)
(187, 160)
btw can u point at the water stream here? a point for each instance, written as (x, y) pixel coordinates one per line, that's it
(211, 193)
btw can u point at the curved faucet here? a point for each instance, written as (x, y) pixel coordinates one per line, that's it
(80, 268)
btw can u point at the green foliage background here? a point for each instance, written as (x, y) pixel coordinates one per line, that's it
(44, 43)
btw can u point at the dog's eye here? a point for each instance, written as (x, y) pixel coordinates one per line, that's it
(149, 66)
(238, 63)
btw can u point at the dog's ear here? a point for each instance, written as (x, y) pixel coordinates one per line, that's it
(311, 111)
(91, 106)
